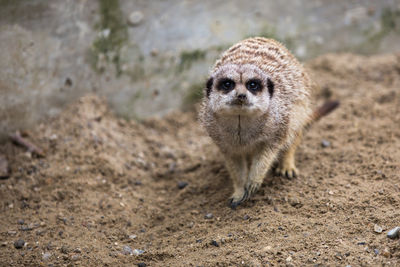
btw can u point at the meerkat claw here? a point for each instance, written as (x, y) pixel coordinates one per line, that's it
(288, 172)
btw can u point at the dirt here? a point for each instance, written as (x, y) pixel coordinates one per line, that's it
(106, 183)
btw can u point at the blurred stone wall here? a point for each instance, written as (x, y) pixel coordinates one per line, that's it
(149, 57)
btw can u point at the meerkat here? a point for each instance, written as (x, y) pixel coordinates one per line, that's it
(256, 105)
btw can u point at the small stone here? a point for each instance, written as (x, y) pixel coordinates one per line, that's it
(376, 251)
(214, 243)
(325, 143)
(393, 233)
(208, 216)
(135, 18)
(141, 264)
(132, 236)
(19, 244)
(46, 256)
(378, 229)
(12, 232)
(77, 250)
(75, 257)
(127, 250)
(20, 221)
(182, 184)
(64, 249)
(289, 259)
(138, 252)
(386, 253)
(246, 217)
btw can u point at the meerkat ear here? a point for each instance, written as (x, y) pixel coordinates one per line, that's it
(209, 85)
(271, 87)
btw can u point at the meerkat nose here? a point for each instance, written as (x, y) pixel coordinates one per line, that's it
(241, 96)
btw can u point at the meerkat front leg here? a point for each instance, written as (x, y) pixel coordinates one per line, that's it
(238, 171)
(261, 163)
(286, 166)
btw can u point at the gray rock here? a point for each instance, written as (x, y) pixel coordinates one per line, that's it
(46, 256)
(325, 143)
(135, 18)
(393, 233)
(376, 251)
(138, 252)
(127, 250)
(214, 243)
(141, 264)
(378, 229)
(208, 216)
(19, 244)
(182, 184)
(21, 221)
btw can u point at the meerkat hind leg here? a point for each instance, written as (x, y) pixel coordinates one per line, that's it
(286, 166)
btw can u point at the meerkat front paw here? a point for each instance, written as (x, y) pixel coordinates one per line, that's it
(238, 197)
(287, 169)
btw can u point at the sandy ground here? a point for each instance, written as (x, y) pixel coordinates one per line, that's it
(107, 188)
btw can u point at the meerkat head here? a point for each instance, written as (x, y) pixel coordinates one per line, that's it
(234, 89)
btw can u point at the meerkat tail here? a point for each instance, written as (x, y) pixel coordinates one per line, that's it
(322, 111)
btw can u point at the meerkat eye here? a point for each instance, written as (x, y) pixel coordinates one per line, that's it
(226, 85)
(254, 85)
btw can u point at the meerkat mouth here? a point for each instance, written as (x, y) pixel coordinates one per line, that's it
(240, 103)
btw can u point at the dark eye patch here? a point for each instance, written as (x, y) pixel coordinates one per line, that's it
(254, 85)
(209, 85)
(226, 85)
(271, 87)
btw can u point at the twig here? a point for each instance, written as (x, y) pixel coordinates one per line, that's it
(19, 140)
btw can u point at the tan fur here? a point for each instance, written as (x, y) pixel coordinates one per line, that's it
(254, 135)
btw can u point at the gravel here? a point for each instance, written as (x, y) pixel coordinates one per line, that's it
(377, 229)
(325, 143)
(208, 216)
(19, 244)
(393, 233)
(214, 243)
(127, 250)
(138, 252)
(182, 184)
(46, 256)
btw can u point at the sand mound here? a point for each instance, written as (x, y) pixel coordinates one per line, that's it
(108, 186)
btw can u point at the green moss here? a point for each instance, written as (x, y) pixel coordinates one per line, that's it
(390, 22)
(188, 57)
(194, 95)
(111, 18)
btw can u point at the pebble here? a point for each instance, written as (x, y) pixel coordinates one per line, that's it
(246, 217)
(127, 250)
(325, 143)
(138, 252)
(75, 257)
(395, 232)
(46, 256)
(378, 229)
(182, 184)
(141, 264)
(135, 18)
(64, 249)
(19, 244)
(376, 251)
(386, 253)
(214, 243)
(132, 236)
(208, 216)
(20, 221)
